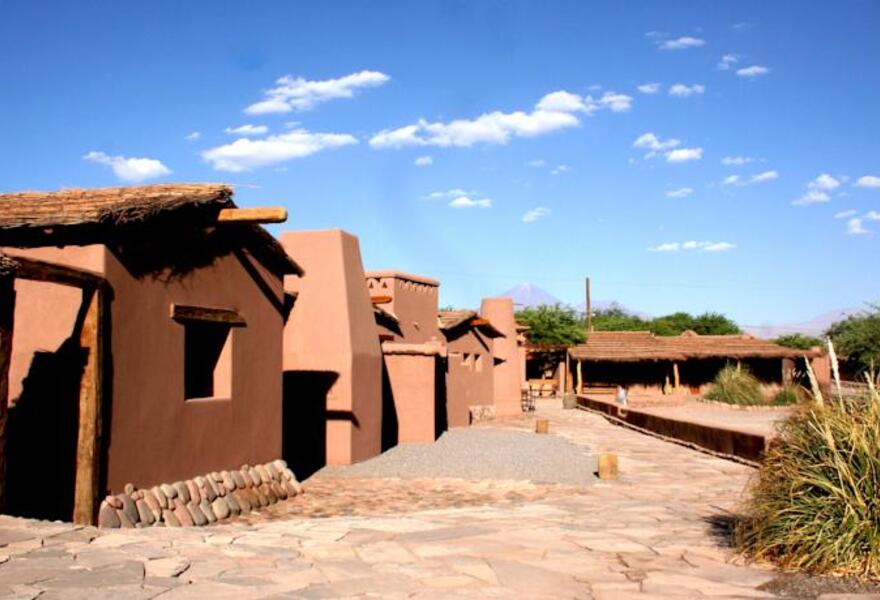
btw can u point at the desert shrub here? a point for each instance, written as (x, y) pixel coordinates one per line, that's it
(814, 504)
(736, 386)
(857, 338)
(798, 341)
(788, 394)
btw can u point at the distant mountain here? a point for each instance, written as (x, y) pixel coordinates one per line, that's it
(527, 295)
(815, 326)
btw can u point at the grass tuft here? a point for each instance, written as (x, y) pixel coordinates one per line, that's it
(814, 504)
(736, 386)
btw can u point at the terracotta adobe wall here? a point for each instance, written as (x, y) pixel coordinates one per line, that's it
(332, 358)
(414, 301)
(154, 434)
(413, 373)
(469, 377)
(508, 367)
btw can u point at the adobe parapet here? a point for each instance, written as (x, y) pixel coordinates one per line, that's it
(418, 279)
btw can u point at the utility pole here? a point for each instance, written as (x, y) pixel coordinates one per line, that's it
(589, 319)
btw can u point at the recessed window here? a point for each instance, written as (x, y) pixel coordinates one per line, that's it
(207, 350)
(207, 360)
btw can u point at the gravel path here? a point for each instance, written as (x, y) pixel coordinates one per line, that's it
(482, 454)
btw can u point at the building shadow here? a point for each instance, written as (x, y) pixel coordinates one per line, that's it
(304, 418)
(42, 433)
(390, 424)
(441, 414)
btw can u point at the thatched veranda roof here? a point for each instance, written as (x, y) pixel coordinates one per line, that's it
(637, 346)
(85, 216)
(448, 320)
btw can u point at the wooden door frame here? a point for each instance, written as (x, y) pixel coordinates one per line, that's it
(92, 338)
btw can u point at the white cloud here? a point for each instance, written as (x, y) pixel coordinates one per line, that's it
(538, 162)
(423, 161)
(727, 61)
(693, 245)
(649, 88)
(245, 154)
(649, 141)
(845, 214)
(247, 130)
(534, 214)
(872, 215)
(560, 169)
(824, 182)
(453, 193)
(868, 181)
(556, 110)
(681, 90)
(130, 169)
(192, 136)
(684, 154)
(854, 227)
(467, 202)
(682, 43)
(753, 71)
(736, 160)
(730, 180)
(812, 197)
(299, 94)
(764, 176)
(616, 102)
(680, 193)
(742, 26)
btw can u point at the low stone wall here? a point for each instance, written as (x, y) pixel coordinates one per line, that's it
(482, 412)
(202, 500)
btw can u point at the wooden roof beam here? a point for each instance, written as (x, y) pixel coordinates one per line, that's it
(265, 214)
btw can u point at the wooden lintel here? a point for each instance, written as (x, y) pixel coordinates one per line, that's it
(386, 337)
(38, 270)
(479, 322)
(267, 214)
(181, 312)
(381, 299)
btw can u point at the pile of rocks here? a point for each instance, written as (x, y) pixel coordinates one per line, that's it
(480, 413)
(201, 500)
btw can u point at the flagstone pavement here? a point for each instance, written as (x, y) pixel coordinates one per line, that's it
(657, 532)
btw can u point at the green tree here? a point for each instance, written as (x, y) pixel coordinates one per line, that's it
(552, 325)
(709, 323)
(798, 341)
(857, 338)
(615, 318)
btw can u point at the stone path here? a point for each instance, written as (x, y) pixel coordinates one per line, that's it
(655, 533)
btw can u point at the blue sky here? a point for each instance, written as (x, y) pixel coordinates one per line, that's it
(551, 155)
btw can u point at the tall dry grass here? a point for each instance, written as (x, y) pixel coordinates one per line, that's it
(814, 504)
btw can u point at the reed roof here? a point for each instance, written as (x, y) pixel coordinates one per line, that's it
(636, 346)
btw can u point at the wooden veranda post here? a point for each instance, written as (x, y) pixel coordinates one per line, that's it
(580, 378)
(7, 321)
(676, 377)
(90, 392)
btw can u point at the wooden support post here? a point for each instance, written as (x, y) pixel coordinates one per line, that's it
(580, 378)
(271, 214)
(7, 322)
(608, 469)
(675, 377)
(90, 397)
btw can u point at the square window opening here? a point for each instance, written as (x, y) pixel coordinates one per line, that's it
(207, 361)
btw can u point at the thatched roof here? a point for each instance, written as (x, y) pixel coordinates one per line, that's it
(636, 346)
(448, 320)
(85, 216)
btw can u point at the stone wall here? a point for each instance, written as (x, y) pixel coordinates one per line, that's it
(202, 500)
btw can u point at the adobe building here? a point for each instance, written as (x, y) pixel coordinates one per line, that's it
(147, 341)
(332, 357)
(470, 380)
(413, 350)
(509, 372)
(684, 364)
